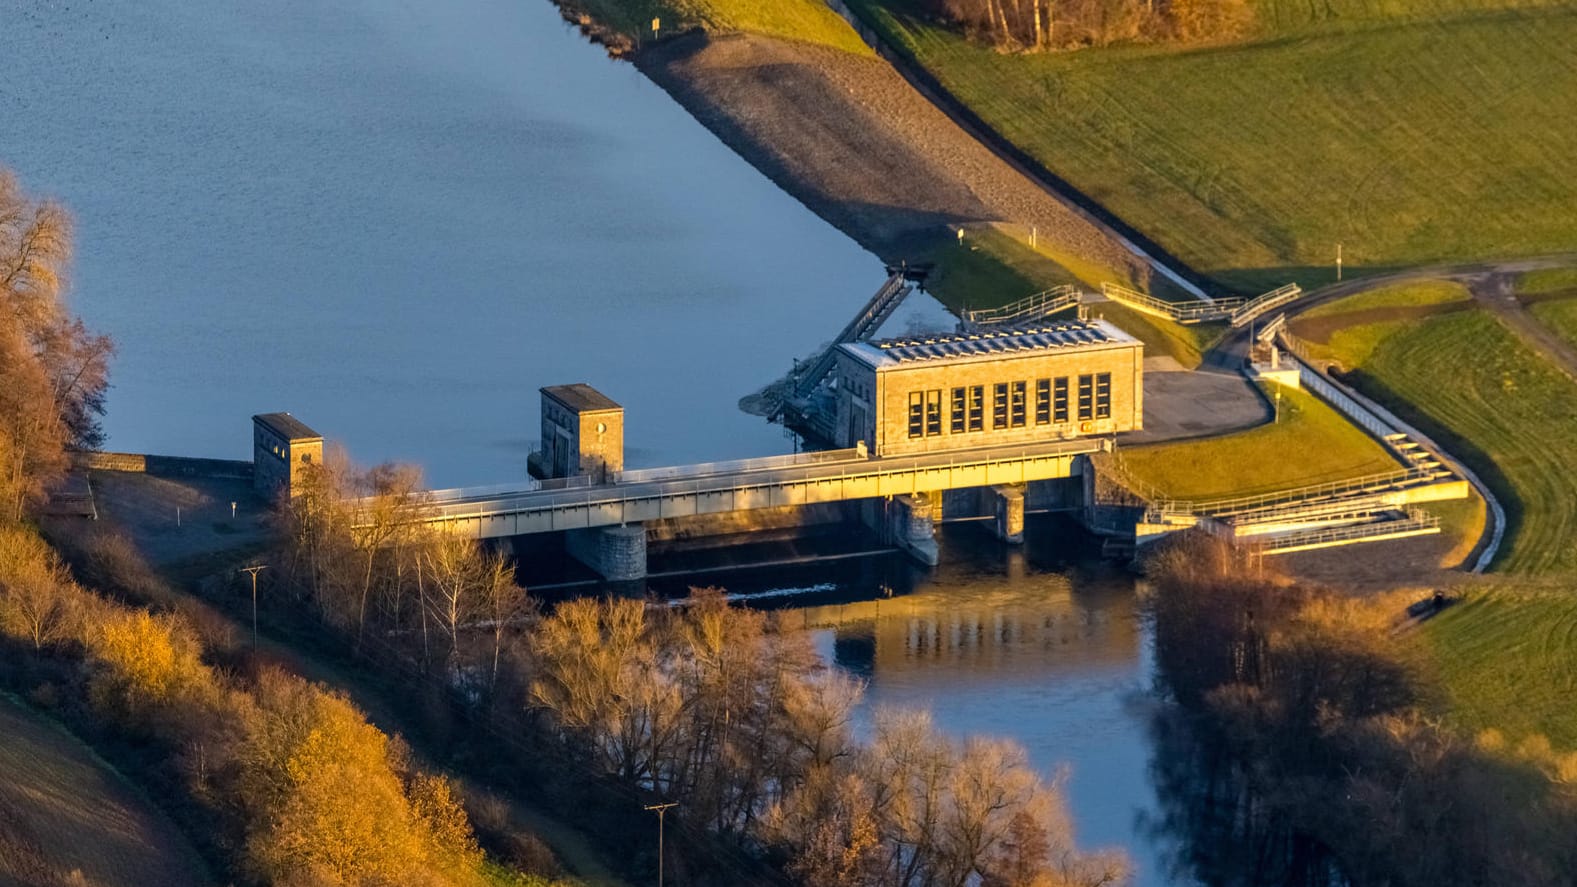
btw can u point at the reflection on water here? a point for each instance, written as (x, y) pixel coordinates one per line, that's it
(1215, 828)
(1037, 643)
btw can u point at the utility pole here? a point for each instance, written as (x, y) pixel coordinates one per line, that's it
(660, 809)
(254, 570)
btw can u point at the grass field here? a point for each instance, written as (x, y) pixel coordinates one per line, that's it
(1405, 132)
(63, 810)
(1312, 443)
(1471, 384)
(1507, 657)
(1552, 280)
(805, 20)
(1405, 295)
(1560, 317)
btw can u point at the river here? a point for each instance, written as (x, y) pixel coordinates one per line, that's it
(397, 220)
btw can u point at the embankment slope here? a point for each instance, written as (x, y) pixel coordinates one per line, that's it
(64, 811)
(851, 139)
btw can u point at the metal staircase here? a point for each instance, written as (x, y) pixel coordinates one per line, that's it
(866, 323)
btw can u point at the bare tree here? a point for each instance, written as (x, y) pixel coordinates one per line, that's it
(53, 372)
(34, 589)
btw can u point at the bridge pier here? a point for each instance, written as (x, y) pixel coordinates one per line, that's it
(618, 554)
(914, 526)
(1009, 524)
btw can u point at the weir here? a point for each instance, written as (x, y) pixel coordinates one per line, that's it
(977, 424)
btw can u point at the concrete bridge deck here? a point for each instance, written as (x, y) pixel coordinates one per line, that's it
(712, 489)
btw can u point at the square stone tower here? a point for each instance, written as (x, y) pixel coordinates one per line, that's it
(282, 448)
(582, 434)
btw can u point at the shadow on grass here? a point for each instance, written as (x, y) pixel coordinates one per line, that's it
(1458, 446)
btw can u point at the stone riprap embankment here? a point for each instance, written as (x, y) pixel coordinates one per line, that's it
(854, 141)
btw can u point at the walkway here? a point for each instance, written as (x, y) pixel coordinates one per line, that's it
(688, 491)
(1496, 291)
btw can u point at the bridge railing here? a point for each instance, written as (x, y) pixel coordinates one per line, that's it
(1040, 305)
(528, 485)
(1258, 305)
(1179, 312)
(610, 495)
(1400, 477)
(736, 466)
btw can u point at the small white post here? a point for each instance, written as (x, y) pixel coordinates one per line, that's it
(1338, 262)
(232, 511)
(177, 515)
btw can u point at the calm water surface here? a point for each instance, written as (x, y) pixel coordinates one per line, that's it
(398, 219)
(1038, 643)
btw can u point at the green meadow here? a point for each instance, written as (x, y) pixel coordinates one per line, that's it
(1406, 132)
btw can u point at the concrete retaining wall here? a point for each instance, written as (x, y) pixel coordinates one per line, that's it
(161, 466)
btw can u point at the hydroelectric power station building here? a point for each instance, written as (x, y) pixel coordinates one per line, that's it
(988, 387)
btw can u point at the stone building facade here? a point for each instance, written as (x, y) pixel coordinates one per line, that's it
(282, 448)
(990, 387)
(582, 434)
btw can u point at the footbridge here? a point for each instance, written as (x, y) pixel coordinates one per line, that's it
(605, 521)
(1238, 312)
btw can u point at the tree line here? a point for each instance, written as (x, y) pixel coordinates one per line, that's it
(53, 370)
(1045, 25)
(1307, 729)
(281, 781)
(723, 710)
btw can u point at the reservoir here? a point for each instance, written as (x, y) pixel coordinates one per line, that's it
(398, 219)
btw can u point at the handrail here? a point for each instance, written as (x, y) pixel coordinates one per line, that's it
(618, 494)
(1416, 520)
(1293, 494)
(1179, 312)
(1264, 302)
(1039, 305)
(759, 463)
(886, 300)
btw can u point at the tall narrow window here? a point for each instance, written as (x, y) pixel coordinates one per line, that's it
(916, 413)
(1103, 395)
(1059, 411)
(999, 406)
(1017, 404)
(1086, 397)
(960, 410)
(933, 412)
(1042, 401)
(977, 407)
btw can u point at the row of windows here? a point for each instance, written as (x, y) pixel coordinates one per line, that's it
(1010, 405)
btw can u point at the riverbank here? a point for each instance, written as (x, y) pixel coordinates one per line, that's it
(846, 135)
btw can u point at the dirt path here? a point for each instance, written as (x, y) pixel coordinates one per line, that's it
(1496, 291)
(1320, 329)
(1232, 350)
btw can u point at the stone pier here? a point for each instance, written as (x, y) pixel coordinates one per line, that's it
(618, 554)
(1009, 524)
(912, 523)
